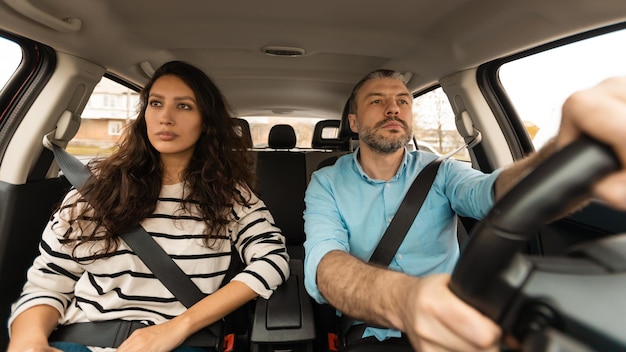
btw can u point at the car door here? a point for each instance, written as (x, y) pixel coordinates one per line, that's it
(43, 87)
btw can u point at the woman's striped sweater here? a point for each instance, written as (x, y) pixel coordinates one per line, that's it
(120, 286)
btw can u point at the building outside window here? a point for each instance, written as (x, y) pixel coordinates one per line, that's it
(109, 110)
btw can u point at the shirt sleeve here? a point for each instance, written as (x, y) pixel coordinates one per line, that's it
(471, 192)
(324, 228)
(262, 248)
(52, 277)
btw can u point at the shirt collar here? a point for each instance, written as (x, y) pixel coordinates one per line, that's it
(364, 176)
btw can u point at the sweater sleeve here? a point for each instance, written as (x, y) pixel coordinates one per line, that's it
(52, 277)
(261, 246)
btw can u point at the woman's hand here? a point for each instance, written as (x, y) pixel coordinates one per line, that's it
(163, 337)
(30, 330)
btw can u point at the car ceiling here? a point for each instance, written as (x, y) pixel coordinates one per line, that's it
(343, 40)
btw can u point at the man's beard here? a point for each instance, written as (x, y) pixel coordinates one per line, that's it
(385, 145)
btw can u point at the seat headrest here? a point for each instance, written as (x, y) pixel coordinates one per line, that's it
(320, 142)
(282, 137)
(344, 126)
(243, 129)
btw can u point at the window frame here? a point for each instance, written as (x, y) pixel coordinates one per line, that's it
(511, 124)
(36, 68)
(428, 90)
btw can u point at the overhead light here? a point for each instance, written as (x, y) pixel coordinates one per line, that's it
(284, 51)
(282, 111)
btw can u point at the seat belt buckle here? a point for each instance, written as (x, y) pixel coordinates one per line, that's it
(229, 342)
(333, 342)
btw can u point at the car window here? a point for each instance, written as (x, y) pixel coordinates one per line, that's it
(110, 108)
(433, 124)
(9, 60)
(538, 84)
(260, 129)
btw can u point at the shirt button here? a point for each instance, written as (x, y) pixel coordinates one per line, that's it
(387, 185)
(399, 256)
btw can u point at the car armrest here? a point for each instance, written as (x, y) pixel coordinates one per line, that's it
(287, 316)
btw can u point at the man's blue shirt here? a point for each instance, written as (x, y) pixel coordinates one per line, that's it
(348, 211)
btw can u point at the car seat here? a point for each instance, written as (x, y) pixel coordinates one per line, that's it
(281, 177)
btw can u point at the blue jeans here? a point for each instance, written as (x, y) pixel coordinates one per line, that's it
(69, 347)
(74, 347)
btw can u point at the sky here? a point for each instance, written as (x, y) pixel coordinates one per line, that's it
(10, 57)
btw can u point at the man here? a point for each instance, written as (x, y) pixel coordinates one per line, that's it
(349, 206)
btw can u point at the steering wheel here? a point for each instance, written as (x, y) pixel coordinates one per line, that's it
(570, 303)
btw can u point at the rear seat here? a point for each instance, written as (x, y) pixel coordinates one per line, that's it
(283, 174)
(243, 128)
(282, 181)
(327, 149)
(343, 142)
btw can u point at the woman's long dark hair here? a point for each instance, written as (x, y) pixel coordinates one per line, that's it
(128, 182)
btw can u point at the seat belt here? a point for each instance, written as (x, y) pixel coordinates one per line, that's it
(405, 215)
(399, 226)
(142, 244)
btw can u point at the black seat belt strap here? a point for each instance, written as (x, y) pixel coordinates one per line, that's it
(405, 215)
(162, 266)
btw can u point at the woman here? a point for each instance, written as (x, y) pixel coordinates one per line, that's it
(181, 171)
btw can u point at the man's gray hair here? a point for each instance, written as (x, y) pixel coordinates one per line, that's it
(381, 73)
